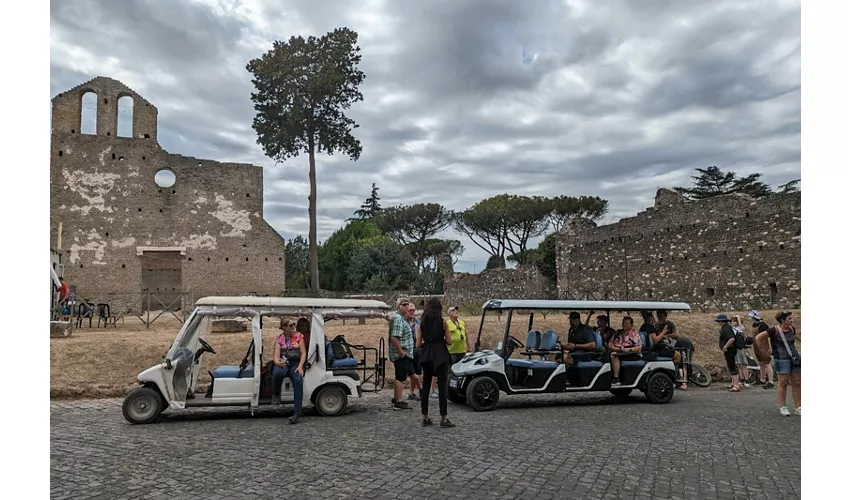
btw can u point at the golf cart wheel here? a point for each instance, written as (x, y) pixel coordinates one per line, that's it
(331, 401)
(142, 406)
(621, 393)
(700, 376)
(659, 388)
(456, 397)
(483, 394)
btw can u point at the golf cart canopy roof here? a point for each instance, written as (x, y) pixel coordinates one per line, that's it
(329, 308)
(586, 305)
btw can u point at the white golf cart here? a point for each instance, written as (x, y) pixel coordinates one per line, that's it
(330, 372)
(516, 368)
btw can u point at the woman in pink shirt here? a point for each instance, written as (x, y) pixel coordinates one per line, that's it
(624, 343)
(289, 356)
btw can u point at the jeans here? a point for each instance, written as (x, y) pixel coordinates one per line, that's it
(278, 374)
(442, 374)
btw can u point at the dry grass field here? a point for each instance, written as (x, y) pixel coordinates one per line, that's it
(104, 362)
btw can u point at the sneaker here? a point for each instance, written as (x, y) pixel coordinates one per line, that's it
(784, 411)
(294, 419)
(427, 422)
(435, 394)
(797, 411)
(401, 405)
(768, 385)
(746, 384)
(414, 397)
(446, 423)
(615, 381)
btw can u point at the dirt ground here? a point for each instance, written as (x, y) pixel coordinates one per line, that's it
(103, 362)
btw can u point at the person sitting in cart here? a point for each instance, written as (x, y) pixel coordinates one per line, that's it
(603, 326)
(625, 344)
(289, 357)
(662, 338)
(580, 337)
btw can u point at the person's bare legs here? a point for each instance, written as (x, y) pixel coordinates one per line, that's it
(781, 388)
(744, 373)
(398, 390)
(615, 364)
(768, 370)
(795, 388)
(415, 384)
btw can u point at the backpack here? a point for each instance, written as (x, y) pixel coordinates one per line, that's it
(742, 340)
(339, 348)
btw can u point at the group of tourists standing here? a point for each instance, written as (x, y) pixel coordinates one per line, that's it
(776, 343)
(422, 351)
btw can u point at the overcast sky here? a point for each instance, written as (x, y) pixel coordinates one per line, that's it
(469, 99)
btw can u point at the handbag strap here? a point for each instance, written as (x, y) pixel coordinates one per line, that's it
(784, 341)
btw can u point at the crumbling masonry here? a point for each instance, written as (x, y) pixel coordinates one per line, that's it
(124, 233)
(729, 251)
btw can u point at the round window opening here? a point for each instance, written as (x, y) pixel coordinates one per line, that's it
(165, 178)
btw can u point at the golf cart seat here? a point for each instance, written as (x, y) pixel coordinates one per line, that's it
(532, 364)
(648, 346)
(233, 372)
(532, 341)
(548, 341)
(344, 363)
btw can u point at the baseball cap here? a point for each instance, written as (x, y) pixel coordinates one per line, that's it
(402, 301)
(453, 308)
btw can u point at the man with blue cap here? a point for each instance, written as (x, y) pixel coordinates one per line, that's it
(727, 344)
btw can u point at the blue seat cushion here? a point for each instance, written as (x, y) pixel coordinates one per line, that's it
(663, 359)
(589, 364)
(549, 340)
(533, 364)
(532, 341)
(233, 372)
(344, 363)
(638, 362)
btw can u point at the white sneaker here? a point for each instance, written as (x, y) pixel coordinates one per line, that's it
(797, 411)
(746, 384)
(784, 411)
(435, 394)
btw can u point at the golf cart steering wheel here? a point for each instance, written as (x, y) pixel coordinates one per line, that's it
(515, 341)
(206, 346)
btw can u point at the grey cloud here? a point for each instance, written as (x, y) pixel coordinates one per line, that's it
(500, 96)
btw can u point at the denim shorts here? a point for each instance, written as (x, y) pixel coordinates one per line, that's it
(783, 366)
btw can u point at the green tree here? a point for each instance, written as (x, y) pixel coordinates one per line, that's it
(371, 207)
(413, 225)
(712, 182)
(435, 247)
(303, 87)
(495, 262)
(384, 258)
(504, 223)
(564, 208)
(335, 253)
(789, 187)
(543, 257)
(297, 272)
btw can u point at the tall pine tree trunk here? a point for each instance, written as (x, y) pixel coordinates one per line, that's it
(314, 247)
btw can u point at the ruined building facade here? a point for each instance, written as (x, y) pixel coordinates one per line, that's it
(124, 233)
(729, 251)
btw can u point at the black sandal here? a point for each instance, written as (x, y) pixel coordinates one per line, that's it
(427, 422)
(446, 423)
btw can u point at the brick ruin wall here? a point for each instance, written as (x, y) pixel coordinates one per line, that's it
(729, 251)
(524, 282)
(103, 192)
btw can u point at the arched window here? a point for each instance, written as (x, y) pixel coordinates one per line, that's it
(88, 114)
(125, 116)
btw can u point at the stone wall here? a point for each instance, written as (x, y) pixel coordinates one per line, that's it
(725, 251)
(206, 232)
(520, 283)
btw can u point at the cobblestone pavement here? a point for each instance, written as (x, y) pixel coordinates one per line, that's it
(705, 444)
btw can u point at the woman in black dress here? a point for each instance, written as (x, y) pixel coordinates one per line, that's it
(433, 342)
